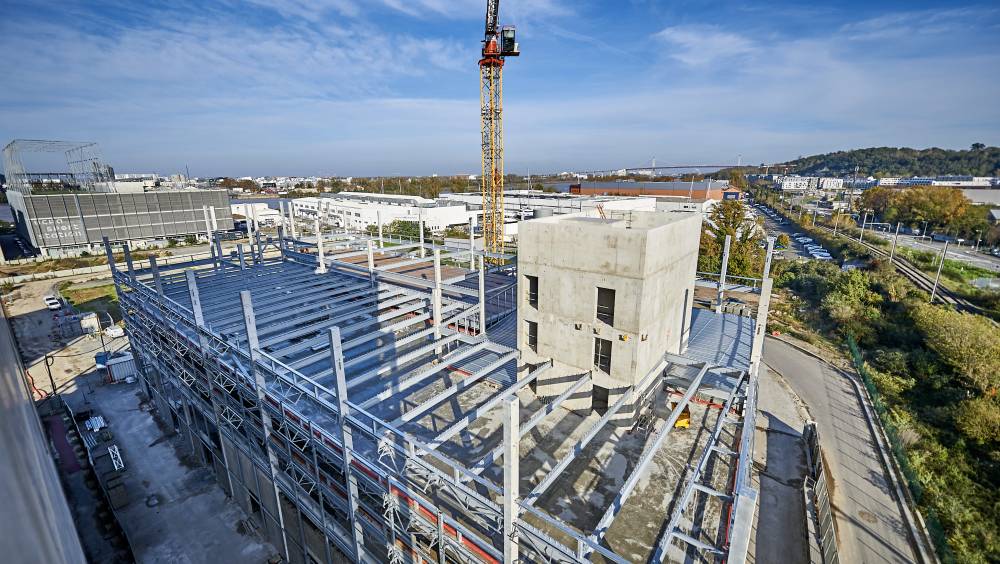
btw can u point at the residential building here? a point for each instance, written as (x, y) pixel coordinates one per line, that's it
(831, 183)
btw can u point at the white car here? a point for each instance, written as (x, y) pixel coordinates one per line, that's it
(52, 303)
(823, 257)
(114, 332)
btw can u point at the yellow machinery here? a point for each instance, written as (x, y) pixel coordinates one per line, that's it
(684, 421)
(497, 45)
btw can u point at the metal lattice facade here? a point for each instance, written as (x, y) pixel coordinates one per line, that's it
(74, 219)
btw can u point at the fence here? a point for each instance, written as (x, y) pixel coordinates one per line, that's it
(101, 268)
(817, 490)
(930, 519)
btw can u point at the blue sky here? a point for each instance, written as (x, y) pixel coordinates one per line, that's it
(382, 87)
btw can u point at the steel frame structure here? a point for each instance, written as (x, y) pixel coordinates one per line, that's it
(83, 160)
(298, 375)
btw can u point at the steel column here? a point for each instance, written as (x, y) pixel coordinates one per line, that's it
(347, 440)
(511, 478)
(722, 275)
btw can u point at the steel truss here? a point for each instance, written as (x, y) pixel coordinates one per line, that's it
(377, 492)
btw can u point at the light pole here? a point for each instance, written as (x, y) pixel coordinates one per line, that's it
(861, 237)
(923, 232)
(978, 239)
(944, 253)
(892, 251)
(836, 223)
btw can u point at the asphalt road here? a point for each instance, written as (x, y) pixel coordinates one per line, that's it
(870, 525)
(964, 253)
(796, 250)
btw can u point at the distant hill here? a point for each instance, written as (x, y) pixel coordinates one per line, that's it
(902, 161)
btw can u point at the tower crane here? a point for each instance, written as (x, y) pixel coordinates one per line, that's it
(497, 45)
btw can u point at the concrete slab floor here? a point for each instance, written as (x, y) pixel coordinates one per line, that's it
(178, 512)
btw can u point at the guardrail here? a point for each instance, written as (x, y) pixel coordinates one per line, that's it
(817, 491)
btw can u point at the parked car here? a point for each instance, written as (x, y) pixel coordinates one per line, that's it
(52, 303)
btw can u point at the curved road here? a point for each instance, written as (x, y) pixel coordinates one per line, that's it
(870, 526)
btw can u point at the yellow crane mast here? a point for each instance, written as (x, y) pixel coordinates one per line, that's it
(497, 45)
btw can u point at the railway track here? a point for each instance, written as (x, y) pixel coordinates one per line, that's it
(920, 279)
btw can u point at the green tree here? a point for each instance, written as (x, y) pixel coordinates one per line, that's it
(969, 343)
(784, 240)
(979, 419)
(852, 303)
(746, 253)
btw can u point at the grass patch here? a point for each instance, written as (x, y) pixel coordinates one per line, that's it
(92, 298)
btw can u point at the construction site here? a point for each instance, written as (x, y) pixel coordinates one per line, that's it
(367, 402)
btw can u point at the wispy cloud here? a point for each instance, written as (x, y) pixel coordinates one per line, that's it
(377, 87)
(704, 44)
(918, 24)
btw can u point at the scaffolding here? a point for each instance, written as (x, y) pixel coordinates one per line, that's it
(323, 394)
(86, 169)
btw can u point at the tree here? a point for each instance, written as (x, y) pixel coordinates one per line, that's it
(978, 146)
(737, 180)
(746, 253)
(852, 303)
(784, 240)
(969, 343)
(979, 418)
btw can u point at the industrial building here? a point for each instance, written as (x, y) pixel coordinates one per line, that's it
(709, 189)
(523, 204)
(358, 210)
(390, 405)
(86, 204)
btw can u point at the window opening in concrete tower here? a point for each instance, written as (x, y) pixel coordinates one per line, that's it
(606, 305)
(602, 355)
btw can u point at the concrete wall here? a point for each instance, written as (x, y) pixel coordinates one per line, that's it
(649, 261)
(37, 524)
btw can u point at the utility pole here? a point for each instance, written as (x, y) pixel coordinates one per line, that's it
(944, 253)
(892, 251)
(836, 223)
(861, 237)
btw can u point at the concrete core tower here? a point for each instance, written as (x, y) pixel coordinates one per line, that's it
(604, 295)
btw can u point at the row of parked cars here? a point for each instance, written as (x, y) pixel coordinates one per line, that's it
(814, 249)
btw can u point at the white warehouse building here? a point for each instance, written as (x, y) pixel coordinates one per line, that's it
(358, 210)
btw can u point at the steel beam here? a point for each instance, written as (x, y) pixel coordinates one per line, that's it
(577, 449)
(462, 385)
(396, 362)
(533, 421)
(648, 453)
(485, 407)
(663, 543)
(419, 377)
